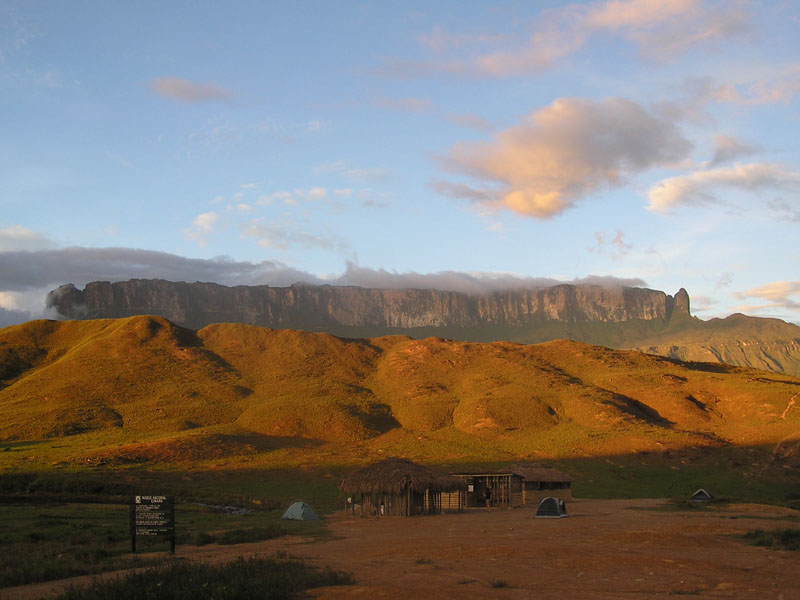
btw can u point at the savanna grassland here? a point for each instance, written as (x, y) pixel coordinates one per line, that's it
(93, 411)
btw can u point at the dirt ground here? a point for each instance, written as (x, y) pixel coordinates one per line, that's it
(606, 549)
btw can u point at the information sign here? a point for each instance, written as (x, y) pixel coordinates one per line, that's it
(152, 516)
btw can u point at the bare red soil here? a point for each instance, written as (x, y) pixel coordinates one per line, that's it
(606, 549)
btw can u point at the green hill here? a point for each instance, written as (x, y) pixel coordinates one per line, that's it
(141, 390)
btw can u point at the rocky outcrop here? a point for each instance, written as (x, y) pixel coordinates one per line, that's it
(329, 308)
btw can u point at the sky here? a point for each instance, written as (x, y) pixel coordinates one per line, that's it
(460, 145)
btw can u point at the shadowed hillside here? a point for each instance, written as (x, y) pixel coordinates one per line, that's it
(142, 389)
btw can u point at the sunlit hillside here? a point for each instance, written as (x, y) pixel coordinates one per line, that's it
(141, 389)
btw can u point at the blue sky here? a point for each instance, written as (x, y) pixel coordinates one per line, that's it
(459, 145)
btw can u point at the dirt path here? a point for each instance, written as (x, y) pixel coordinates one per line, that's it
(606, 549)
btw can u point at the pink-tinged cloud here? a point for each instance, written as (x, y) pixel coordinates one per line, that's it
(616, 247)
(783, 295)
(470, 121)
(779, 86)
(189, 92)
(701, 187)
(728, 149)
(660, 30)
(441, 40)
(417, 105)
(562, 153)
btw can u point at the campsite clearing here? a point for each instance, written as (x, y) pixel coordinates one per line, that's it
(606, 549)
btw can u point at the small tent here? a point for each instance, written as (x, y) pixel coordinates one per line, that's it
(551, 508)
(300, 511)
(702, 495)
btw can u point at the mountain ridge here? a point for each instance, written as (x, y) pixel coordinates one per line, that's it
(616, 317)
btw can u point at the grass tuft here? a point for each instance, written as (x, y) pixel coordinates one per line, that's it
(243, 579)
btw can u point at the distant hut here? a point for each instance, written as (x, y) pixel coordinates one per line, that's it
(517, 485)
(702, 496)
(396, 487)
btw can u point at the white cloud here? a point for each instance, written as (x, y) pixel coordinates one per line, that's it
(562, 153)
(317, 193)
(294, 197)
(204, 222)
(17, 237)
(701, 187)
(202, 226)
(185, 91)
(270, 235)
(358, 174)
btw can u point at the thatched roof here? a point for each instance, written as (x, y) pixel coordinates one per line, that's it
(396, 476)
(539, 472)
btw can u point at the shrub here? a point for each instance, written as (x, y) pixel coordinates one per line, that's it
(243, 579)
(787, 539)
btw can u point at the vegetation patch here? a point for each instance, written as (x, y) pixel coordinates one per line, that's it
(45, 542)
(782, 539)
(243, 579)
(240, 536)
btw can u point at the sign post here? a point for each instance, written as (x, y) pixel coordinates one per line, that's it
(153, 516)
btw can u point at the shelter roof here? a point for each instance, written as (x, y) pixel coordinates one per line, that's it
(396, 476)
(539, 472)
(528, 471)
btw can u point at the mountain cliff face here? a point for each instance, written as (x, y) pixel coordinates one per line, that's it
(644, 319)
(301, 306)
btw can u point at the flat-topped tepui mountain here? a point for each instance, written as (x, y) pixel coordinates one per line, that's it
(617, 317)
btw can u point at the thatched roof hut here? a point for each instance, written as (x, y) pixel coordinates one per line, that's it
(397, 486)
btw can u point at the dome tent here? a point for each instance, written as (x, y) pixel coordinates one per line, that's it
(552, 508)
(300, 511)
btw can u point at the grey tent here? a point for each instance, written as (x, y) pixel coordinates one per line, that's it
(300, 511)
(702, 495)
(551, 508)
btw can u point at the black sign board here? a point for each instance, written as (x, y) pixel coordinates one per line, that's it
(152, 516)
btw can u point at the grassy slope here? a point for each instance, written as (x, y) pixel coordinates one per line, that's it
(142, 390)
(761, 343)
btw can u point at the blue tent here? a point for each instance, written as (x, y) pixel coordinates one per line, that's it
(300, 511)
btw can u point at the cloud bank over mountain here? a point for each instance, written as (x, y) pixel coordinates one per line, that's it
(31, 274)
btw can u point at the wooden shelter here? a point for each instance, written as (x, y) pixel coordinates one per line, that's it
(397, 487)
(518, 485)
(539, 480)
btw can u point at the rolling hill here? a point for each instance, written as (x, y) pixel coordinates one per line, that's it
(141, 389)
